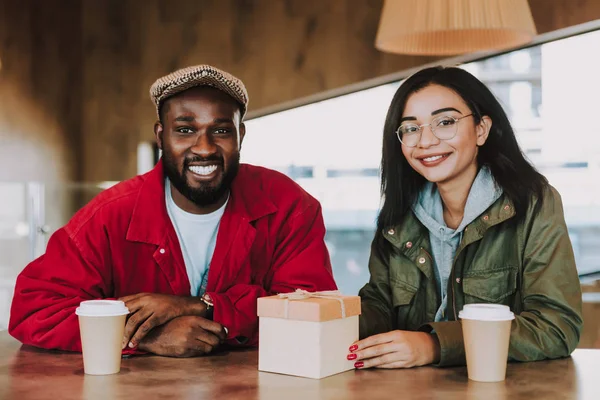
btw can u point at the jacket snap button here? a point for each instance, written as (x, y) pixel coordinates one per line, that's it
(457, 280)
(408, 245)
(391, 231)
(485, 217)
(162, 251)
(422, 260)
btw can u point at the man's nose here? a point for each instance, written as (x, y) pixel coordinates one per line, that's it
(204, 145)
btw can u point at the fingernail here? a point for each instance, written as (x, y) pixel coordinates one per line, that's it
(353, 347)
(359, 364)
(131, 345)
(351, 356)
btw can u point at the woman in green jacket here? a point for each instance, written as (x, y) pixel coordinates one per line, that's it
(465, 219)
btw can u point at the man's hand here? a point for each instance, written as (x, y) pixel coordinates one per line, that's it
(149, 310)
(395, 349)
(186, 336)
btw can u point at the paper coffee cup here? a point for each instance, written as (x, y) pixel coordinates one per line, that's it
(102, 325)
(486, 333)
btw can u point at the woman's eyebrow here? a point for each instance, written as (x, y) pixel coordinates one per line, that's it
(441, 110)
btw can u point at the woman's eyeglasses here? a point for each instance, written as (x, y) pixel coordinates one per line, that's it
(443, 127)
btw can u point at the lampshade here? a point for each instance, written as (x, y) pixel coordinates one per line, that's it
(449, 27)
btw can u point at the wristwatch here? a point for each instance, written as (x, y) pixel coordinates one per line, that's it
(207, 300)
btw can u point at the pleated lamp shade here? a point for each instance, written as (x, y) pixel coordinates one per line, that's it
(450, 27)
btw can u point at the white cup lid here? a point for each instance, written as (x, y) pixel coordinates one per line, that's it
(101, 308)
(486, 312)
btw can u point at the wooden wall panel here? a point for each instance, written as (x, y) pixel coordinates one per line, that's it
(40, 114)
(40, 98)
(112, 71)
(551, 15)
(282, 50)
(74, 87)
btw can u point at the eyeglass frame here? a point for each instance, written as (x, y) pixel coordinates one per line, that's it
(456, 120)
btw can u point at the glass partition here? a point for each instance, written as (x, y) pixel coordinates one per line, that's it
(15, 244)
(29, 214)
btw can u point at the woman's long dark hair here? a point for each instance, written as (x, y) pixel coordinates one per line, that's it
(400, 183)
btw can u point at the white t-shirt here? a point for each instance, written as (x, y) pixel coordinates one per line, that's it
(197, 235)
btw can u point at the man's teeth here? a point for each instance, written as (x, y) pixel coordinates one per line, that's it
(203, 170)
(434, 158)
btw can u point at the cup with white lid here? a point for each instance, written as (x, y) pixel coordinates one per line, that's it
(102, 325)
(486, 332)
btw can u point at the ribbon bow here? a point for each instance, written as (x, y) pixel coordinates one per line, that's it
(301, 294)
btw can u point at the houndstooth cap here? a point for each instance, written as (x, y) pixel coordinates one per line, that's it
(199, 75)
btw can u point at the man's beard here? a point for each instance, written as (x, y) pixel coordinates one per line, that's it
(205, 195)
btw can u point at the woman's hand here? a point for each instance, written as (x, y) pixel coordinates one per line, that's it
(396, 349)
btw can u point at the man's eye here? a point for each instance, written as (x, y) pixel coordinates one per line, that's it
(184, 130)
(222, 131)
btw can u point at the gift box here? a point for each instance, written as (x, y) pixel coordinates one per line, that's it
(307, 333)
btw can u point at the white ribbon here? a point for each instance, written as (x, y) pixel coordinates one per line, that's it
(301, 294)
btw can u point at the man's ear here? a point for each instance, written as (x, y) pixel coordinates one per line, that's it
(158, 133)
(242, 134)
(483, 130)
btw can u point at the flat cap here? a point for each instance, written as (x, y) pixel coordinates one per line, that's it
(199, 75)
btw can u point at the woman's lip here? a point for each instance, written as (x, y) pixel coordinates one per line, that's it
(433, 163)
(432, 155)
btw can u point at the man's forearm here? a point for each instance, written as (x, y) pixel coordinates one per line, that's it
(186, 336)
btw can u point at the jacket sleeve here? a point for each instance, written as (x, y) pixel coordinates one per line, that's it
(301, 261)
(376, 298)
(550, 322)
(47, 292)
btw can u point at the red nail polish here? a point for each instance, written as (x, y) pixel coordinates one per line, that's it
(351, 357)
(353, 347)
(359, 364)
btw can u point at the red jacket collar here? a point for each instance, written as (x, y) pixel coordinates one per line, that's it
(150, 221)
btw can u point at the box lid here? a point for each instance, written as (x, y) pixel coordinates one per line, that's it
(309, 306)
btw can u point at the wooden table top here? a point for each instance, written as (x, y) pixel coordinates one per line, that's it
(29, 373)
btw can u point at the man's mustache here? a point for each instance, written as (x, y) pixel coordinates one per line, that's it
(215, 159)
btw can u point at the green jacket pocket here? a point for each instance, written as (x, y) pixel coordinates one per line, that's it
(402, 293)
(490, 285)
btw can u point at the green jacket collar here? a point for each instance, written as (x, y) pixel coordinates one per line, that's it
(410, 237)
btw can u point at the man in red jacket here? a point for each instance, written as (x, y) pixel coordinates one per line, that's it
(190, 245)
